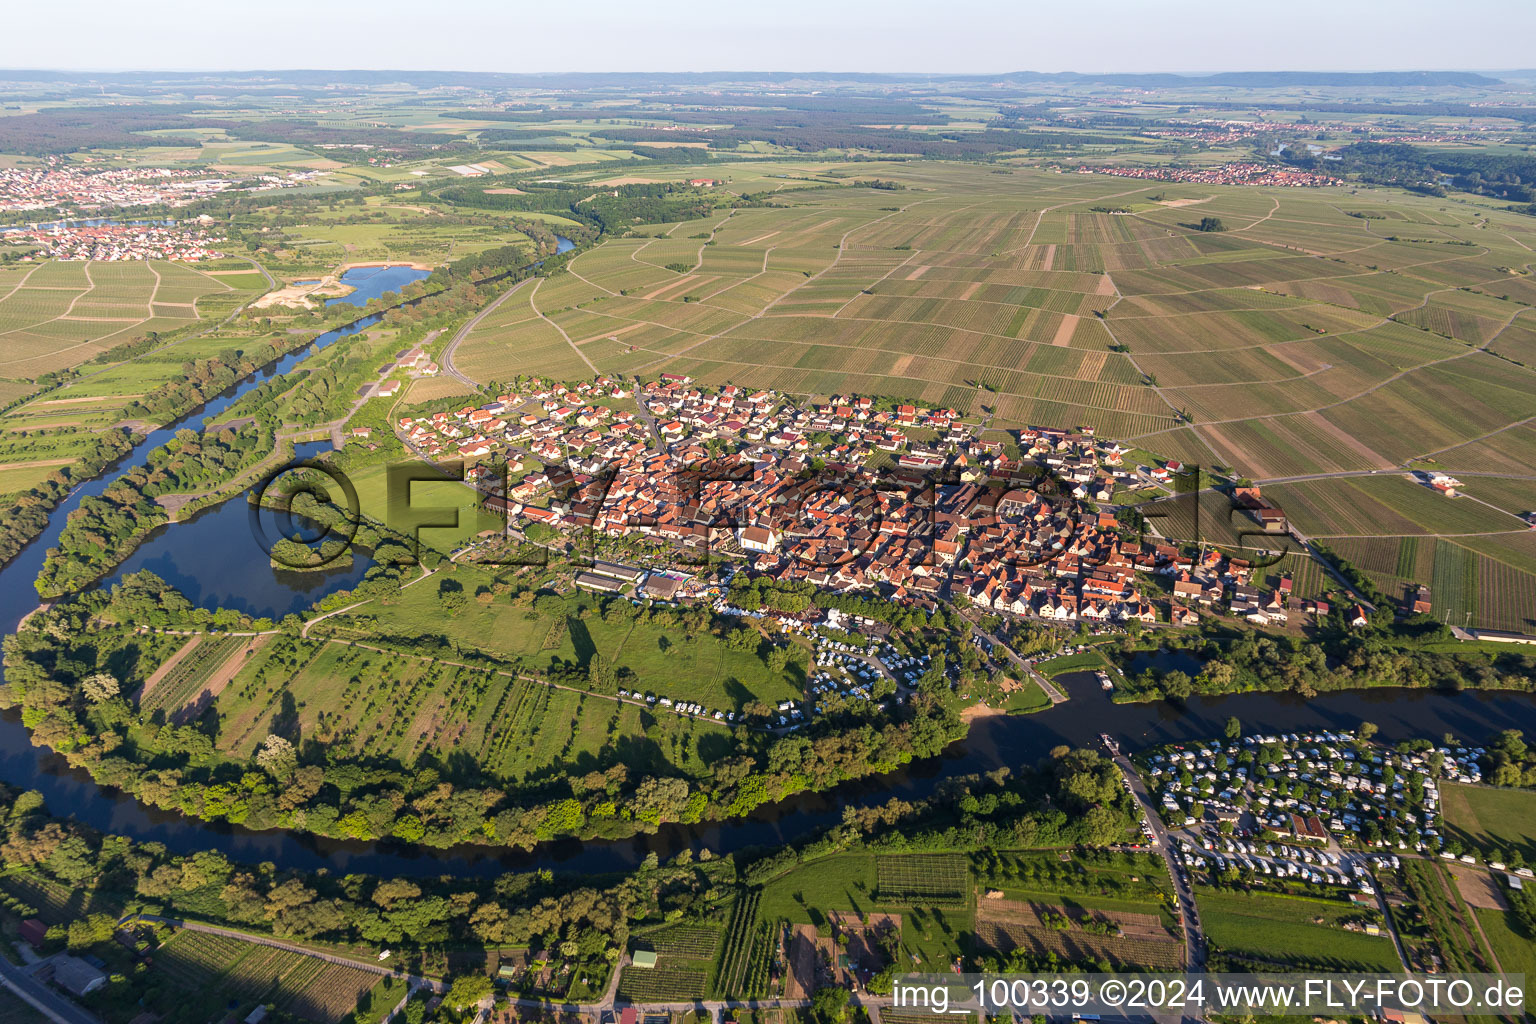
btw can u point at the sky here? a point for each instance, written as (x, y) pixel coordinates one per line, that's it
(976, 36)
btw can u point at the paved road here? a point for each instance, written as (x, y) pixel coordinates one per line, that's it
(1189, 915)
(50, 1003)
(446, 362)
(1057, 695)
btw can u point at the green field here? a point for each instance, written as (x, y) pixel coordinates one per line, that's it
(1291, 930)
(1488, 818)
(1514, 948)
(700, 668)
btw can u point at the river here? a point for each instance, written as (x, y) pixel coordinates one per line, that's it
(180, 554)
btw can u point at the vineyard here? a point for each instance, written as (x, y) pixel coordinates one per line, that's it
(191, 672)
(54, 903)
(305, 986)
(686, 942)
(740, 944)
(942, 879)
(663, 984)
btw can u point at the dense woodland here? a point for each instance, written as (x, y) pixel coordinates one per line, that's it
(1503, 176)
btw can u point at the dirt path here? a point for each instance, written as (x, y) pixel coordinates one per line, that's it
(227, 670)
(164, 670)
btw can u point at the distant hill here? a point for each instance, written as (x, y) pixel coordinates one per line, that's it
(662, 80)
(1274, 79)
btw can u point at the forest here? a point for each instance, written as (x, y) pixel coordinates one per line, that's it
(1502, 176)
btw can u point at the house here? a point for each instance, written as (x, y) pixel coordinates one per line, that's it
(599, 584)
(1419, 603)
(34, 932)
(1359, 620)
(72, 974)
(1502, 636)
(1263, 511)
(662, 588)
(644, 959)
(621, 573)
(756, 538)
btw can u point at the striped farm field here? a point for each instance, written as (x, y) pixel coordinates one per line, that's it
(55, 315)
(663, 984)
(1386, 504)
(305, 986)
(193, 668)
(1301, 341)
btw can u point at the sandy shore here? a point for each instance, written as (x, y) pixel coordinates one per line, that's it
(980, 711)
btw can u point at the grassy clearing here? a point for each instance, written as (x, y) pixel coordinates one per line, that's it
(1294, 931)
(1489, 818)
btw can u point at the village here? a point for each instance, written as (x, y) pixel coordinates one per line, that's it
(1226, 174)
(116, 242)
(61, 186)
(854, 496)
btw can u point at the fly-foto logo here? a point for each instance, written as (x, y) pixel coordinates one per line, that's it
(829, 518)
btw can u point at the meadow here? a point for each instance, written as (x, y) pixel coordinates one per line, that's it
(848, 884)
(1491, 819)
(1299, 931)
(361, 688)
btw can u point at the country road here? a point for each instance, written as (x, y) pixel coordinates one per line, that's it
(446, 361)
(1189, 915)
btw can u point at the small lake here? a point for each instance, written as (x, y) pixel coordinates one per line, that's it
(241, 576)
(372, 282)
(1164, 660)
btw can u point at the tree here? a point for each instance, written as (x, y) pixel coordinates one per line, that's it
(1212, 224)
(601, 674)
(100, 688)
(829, 1005)
(277, 757)
(1367, 730)
(467, 991)
(1234, 728)
(450, 594)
